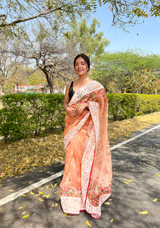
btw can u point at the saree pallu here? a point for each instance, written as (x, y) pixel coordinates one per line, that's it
(87, 176)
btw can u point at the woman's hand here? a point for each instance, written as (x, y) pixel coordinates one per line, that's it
(71, 111)
(81, 107)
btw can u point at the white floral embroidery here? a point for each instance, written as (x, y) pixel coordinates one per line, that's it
(86, 163)
(85, 89)
(96, 211)
(72, 204)
(94, 109)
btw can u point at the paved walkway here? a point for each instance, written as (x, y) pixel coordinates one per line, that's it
(136, 188)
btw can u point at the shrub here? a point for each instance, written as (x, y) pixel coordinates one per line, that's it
(27, 113)
(128, 105)
(23, 114)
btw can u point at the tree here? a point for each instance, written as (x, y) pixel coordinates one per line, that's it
(143, 81)
(8, 64)
(24, 75)
(114, 68)
(125, 12)
(50, 54)
(86, 39)
(15, 13)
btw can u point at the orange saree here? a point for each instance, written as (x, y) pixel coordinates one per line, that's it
(87, 176)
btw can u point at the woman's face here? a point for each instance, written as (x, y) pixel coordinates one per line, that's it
(81, 67)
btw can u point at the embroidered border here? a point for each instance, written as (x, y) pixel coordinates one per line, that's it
(94, 109)
(72, 205)
(96, 210)
(86, 89)
(73, 132)
(87, 161)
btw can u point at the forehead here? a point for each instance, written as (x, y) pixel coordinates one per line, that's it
(79, 60)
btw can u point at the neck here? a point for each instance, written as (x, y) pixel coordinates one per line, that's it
(83, 78)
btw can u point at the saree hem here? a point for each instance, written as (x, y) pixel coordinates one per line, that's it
(72, 205)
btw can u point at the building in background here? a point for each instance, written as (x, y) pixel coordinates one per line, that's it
(36, 89)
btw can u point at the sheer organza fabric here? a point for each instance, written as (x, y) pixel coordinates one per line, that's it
(87, 176)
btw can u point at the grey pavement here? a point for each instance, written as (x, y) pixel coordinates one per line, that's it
(136, 188)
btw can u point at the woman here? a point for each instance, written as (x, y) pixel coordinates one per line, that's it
(87, 176)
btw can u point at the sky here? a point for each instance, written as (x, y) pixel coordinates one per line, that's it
(147, 41)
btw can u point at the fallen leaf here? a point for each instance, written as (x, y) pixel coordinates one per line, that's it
(143, 212)
(87, 222)
(31, 193)
(55, 192)
(54, 185)
(41, 199)
(47, 196)
(47, 187)
(40, 171)
(110, 199)
(25, 216)
(65, 214)
(158, 175)
(111, 220)
(107, 203)
(40, 193)
(56, 204)
(24, 212)
(23, 195)
(129, 180)
(20, 207)
(126, 182)
(11, 190)
(155, 200)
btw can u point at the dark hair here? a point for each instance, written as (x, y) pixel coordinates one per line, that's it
(86, 59)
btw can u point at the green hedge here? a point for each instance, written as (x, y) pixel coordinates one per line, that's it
(128, 105)
(27, 113)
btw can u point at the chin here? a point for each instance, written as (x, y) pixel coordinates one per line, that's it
(81, 73)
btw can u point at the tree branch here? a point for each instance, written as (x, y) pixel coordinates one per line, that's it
(45, 12)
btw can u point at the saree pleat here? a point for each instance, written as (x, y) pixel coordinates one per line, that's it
(87, 177)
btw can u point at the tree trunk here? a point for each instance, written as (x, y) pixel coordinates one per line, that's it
(0, 91)
(50, 82)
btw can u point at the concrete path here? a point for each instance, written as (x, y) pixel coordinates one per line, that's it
(136, 188)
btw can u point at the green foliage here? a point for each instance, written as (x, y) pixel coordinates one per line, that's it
(24, 76)
(127, 105)
(143, 81)
(86, 38)
(24, 114)
(18, 16)
(117, 67)
(14, 13)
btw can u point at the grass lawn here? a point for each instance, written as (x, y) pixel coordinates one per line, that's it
(21, 156)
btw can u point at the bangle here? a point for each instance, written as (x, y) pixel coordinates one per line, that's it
(66, 106)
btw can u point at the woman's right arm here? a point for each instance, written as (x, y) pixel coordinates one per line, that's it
(71, 111)
(66, 98)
